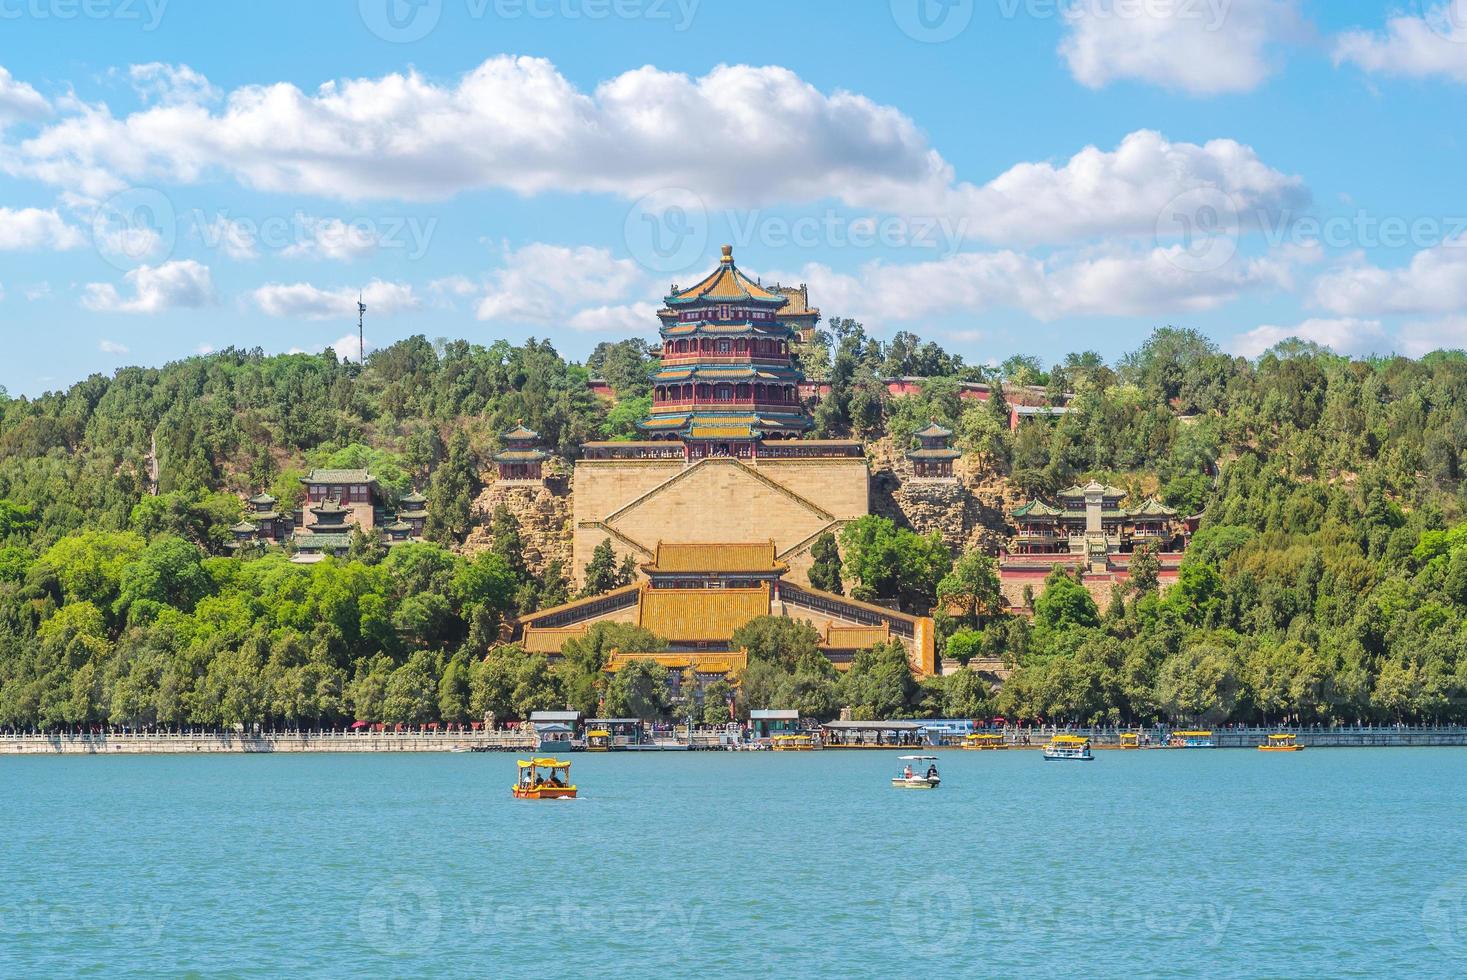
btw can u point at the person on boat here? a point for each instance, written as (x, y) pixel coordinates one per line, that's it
(907, 772)
(932, 772)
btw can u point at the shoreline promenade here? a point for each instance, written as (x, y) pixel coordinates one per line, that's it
(189, 743)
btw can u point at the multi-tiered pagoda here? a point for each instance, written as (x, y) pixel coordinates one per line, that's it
(728, 378)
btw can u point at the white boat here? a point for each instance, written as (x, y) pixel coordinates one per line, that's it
(1075, 748)
(912, 778)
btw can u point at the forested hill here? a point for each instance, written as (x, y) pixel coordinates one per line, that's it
(1329, 579)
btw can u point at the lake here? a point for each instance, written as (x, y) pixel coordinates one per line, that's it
(1193, 863)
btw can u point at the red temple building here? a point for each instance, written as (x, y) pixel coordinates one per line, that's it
(522, 458)
(728, 379)
(1091, 533)
(933, 458)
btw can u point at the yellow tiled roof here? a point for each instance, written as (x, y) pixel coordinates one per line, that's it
(754, 557)
(704, 663)
(722, 432)
(547, 641)
(685, 615)
(855, 637)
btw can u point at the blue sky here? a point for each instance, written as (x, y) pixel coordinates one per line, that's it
(1030, 176)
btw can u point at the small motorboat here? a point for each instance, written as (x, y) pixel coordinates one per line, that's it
(544, 779)
(1281, 742)
(1068, 748)
(910, 777)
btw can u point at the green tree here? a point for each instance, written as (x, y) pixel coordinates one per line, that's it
(778, 640)
(825, 565)
(639, 690)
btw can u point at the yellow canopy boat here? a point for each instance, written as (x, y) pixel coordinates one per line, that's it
(985, 742)
(1068, 747)
(792, 743)
(544, 779)
(1281, 743)
(1130, 740)
(598, 740)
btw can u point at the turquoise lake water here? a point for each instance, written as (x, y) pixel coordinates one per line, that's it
(1204, 863)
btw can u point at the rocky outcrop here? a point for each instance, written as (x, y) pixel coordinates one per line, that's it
(970, 512)
(544, 515)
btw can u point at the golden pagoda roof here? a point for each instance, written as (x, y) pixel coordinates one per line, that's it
(687, 615)
(727, 283)
(759, 556)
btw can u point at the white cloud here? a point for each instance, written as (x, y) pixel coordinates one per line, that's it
(1434, 282)
(1432, 43)
(37, 291)
(32, 229)
(1121, 191)
(1205, 47)
(332, 238)
(204, 349)
(111, 347)
(306, 301)
(1424, 336)
(171, 84)
(1346, 335)
(235, 238)
(633, 318)
(544, 283)
(518, 124)
(352, 348)
(1107, 283)
(172, 285)
(19, 101)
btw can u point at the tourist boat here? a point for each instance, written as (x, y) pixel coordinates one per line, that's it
(1191, 740)
(1281, 743)
(544, 779)
(1075, 748)
(908, 778)
(985, 742)
(1130, 740)
(793, 743)
(598, 740)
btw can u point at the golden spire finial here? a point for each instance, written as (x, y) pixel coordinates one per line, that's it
(728, 254)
